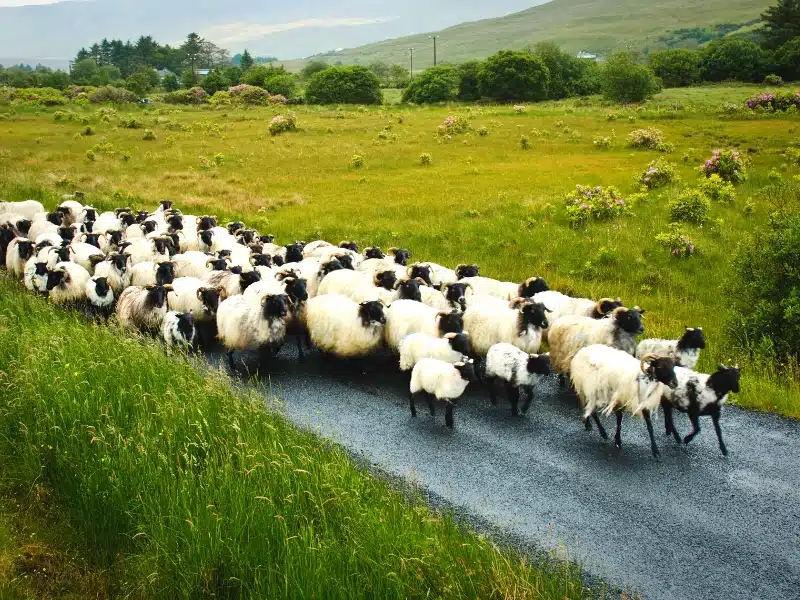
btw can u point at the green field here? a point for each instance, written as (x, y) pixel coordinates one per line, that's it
(598, 26)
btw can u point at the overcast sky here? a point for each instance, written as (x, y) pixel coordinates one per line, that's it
(26, 2)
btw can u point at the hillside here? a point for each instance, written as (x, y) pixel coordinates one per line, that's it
(592, 25)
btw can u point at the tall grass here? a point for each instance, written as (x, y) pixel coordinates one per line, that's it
(190, 490)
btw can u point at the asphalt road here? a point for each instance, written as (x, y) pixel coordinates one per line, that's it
(690, 525)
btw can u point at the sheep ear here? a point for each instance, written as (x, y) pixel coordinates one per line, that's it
(421, 281)
(155, 267)
(200, 294)
(223, 293)
(688, 328)
(169, 288)
(449, 336)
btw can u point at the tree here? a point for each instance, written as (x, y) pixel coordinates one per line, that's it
(625, 80)
(233, 74)
(191, 49)
(214, 82)
(246, 61)
(106, 75)
(170, 82)
(344, 85)
(677, 67)
(312, 68)
(437, 84)
(145, 50)
(787, 59)
(733, 58)
(510, 75)
(188, 78)
(83, 71)
(468, 80)
(565, 70)
(381, 70)
(398, 76)
(56, 79)
(781, 23)
(139, 83)
(279, 81)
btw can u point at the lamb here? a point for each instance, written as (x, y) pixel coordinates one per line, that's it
(408, 316)
(67, 283)
(100, 296)
(571, 333)
(150, 273)
(685, 351)
(699, 394)
(505, 290)
(445, 382)
(560, 304)
(86, 255)
(115, 270)
(246, 322)
(338, 325)
(614, 381)
(143, 308)
(519, 370)
(234, 282)
(178, 329)
(148, 250)
(452, 348)
(35, 275)
(27, 208)
(17, 254)
(492, 321)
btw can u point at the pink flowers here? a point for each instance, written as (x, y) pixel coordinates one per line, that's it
(453, 125)
(593, 203)
(769, 101)
(730, 165)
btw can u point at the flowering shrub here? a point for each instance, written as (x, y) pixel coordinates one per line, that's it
(770, 101)
(594, 203)
(453, 125)
(111, 94)
(764, 99)
(149, 136)
(602, 141)
(730, 165)
(205, 164)
(131, 123)
(775, 80)
(659, 173)
(425, 158)
(651, 139)
(255, 96)
(280, 123)
(524, 142)
(221, 98)
(691, 206)
(196, 95)
(676, 241)
(519, 108)
(718, 190)
(483, 131)
(793, 154)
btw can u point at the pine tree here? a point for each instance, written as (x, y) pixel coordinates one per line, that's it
(191, 49)
(247, 60)
(781, 22)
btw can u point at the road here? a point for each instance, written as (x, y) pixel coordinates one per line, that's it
(690, 525)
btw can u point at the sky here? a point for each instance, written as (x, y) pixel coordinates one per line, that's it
(26, 2)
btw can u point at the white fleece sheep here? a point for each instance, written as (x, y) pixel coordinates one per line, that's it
(27, 208)
(685, 351)
(404, 317)
(115, 269)
(86, 255)
(452, 348)
(571, 333)
(560, 305)
(444, 381)
(143, 308)
(492, 321)
(196, 297)
(234, 282)
(246, 322)
(147, 250)
(67, 283)
(19, 251)
(35, 275)
(100, 295)
(340, 326)
(152, 273)
(191, 264)
(519, 370)
(610, 380)
(505, 290)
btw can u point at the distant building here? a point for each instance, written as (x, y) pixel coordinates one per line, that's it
(587, 55)
(203, 72)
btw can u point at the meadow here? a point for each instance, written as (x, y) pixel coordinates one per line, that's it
(358, 173)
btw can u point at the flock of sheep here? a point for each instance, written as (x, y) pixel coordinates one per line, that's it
(193, 281)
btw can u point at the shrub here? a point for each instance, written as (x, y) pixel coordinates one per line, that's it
(149, 136)
(624, 80)
(425, 159)
(676, 241)
(468, 81)
(510, 75)
(602, 141)
(787, 59)
(483, 131)
(650, 139)
(221, 98)
(566, 71)
(131, 123)
(453, 125)
(677, 67)
(730, 165)
(690, 206)
(524, 143)
(170, 82)
(597, 203)
(280, 124)
(357, 161)
(279, 82)
(88, 130)
(113, 94)
(658, 173)
(718, 190)
(793, 155)
(437, 84)
(344, 85)
(775, 80)
(195, 95)
(214, 82)
(770, 101)
(733, 58)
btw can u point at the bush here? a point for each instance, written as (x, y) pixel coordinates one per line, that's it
(677, 67)
(344, 85)
(510, 75)
(733, 58)
(214, 82)
(357, 161)
(594, 203)
(730, 165)
(650, 139)
(131, 123)
(602, 141)
(280, 124)
(195, 95)
(690, 206)
(717, 189)
(149, 136)
(425, 159)
(676, 241)
(221, 98)
(35, 96)
(774, 80)
(770, 101)
(170, 82)
(255, 96)
(765, 289)
(437, 84)
(624, 80)
(111, 94)
(565, 70)
(787, 59)
(468, 81)
(453, 125)
(659, 173)
(279, 82)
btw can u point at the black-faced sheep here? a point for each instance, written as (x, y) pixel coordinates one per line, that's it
(143, 308)
(685, 351)
(338, 325)
(115, 269)
(492, 321)
(519, 371)
(252, 322)
(100, 297)
(452, 348)
(408, 316)
(67, 284)
(178, 330)
(152, 273)
(442, 381)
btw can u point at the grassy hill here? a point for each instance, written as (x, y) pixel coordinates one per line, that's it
(597, 26)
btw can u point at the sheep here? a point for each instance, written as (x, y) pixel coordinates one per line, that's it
(519, 370)
(463, 271)
(560, 304)
(150, 273)
(452, 348)
(439, 275)
(110, 221)
(52, 254)
(93, 239)
(373, 253)
(17, 254)
(100, 296)
(451, 297)
(143, 308)
(45, 223)
(505, 290)
(612, 380)
(86, 255)
(148, 250)
(140, 230)
(35, 275)
(110, 241)
(67, 283)
(16, 223)
(441, 380)
(408, 316)
(246, 322)
(685, 351)
(699, 394)
(355, 284)
(7, 233)
(491, 321)
(311, 247)
(27, 208)
(234, 282)
(195, 296)
(338, 325)
(571, 333)
(191, 264)
(115, 270)
(178, 329)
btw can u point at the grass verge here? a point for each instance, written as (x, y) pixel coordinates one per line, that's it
(188, 490)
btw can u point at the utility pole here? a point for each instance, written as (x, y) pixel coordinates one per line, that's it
(433, 37)
(411, 50)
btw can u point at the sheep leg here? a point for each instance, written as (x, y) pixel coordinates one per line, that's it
(715, 419)
(600, 427)
(526, 403)
(411, 404)
(231, 363)
(299, 339)
(431, 405)
(693, 417)
(448, 415)
(587, 424)
(491, 382)
(513, 397)
(669, 424)
(649, 423)
(618, 436)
